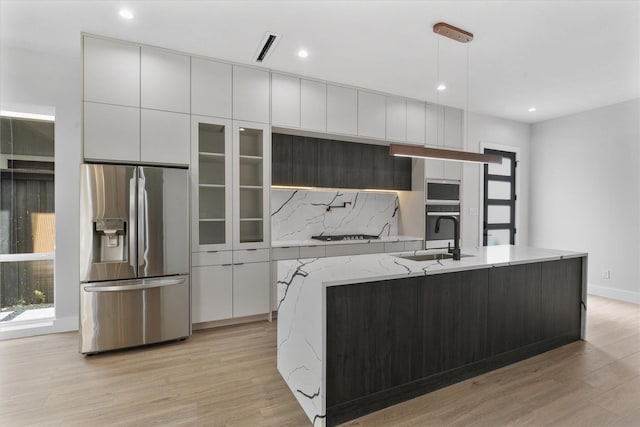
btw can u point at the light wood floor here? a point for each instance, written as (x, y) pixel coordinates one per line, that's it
(227, 376)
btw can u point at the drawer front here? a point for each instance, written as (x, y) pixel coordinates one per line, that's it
(370, 248)
(250, 255)
(210, 258)
(285, 253)
(355, 249)
(414, 245)
(312, 251)
(394, 246)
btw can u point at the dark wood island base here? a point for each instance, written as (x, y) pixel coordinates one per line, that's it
(392, 340)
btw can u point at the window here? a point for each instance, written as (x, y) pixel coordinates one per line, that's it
(499, 226)
(27, 218)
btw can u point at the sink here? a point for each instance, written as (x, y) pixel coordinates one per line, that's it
(431, 257)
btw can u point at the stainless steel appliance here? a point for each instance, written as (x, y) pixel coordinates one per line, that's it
(442, 197)
(134, 256)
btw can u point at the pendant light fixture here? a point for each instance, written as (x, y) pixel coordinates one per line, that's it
(405, 150)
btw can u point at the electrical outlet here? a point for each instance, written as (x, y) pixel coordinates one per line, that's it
(606, 274)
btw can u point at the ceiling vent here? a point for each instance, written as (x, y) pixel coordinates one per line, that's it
(266, 47)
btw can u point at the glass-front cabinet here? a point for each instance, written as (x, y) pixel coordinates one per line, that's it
(251, 182)
(211, 175)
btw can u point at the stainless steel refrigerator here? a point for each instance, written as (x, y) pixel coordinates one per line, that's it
(134, 256)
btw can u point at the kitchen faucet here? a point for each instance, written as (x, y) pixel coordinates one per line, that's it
(456, 234)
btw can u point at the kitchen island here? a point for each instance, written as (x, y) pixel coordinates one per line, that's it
(359, 333)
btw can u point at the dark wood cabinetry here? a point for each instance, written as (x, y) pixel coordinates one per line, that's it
(333, 164)
(560, 284)
(317, 162)
(514, 317)
(375, 332)
(392, 340)
(457, 303)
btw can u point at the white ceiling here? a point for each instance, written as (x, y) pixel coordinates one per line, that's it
(560, 56)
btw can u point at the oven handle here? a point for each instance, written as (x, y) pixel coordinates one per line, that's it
(443, 213)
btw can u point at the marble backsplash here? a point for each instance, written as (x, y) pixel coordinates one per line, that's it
(300, 214)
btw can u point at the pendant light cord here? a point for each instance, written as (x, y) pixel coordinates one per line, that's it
(438, 83)
(465, 143)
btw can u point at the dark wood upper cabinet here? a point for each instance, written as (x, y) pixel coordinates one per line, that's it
(304, 164)
(281, 159)
(332, 164)
(318, 162)
(360, 172)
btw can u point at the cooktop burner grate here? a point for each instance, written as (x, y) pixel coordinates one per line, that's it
(330, 238)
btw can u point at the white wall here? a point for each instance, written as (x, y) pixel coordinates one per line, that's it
(586, 193)
(39, 81)
(507, 135)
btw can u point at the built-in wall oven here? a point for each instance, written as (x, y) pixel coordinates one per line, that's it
(442, 197)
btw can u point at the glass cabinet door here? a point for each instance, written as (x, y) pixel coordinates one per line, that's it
(252, 161)
(211, 166)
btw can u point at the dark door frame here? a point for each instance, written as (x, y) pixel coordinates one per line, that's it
(511, 202)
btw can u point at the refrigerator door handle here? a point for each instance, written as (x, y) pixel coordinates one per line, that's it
(142, 224)
(133, 223)
(147, 285)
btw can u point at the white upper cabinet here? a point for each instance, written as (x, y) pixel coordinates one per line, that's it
(211, 84)
(165, 80)
(111, 72)
(435, 124)
(342, 110)
(453, 122)
(251, 171)
(396, 118)
(313, 105)
(415, 122)
(444, 129)
(250, 94)
(111, 132)
(285, 101)
(371, 114)
(164, 137)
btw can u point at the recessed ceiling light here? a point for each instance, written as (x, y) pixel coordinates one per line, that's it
(126, 14)
(241, 129)
(441, 87)
(532, 109)
(302, 53)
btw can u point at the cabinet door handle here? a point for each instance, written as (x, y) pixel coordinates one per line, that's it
(240, 263)
(212, 252)
(252, 249)
(226, 265)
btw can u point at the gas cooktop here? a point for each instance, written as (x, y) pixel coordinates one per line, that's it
(329, 238)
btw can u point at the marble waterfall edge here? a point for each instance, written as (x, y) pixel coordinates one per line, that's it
(300, 214)
(300, 337)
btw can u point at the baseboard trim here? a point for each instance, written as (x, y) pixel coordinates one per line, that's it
(229, 322)
(38, 327)
(619, 294)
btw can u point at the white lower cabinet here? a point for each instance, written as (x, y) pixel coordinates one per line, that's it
(251, 289)
(227, 290)
(211, 293)
(414, 245)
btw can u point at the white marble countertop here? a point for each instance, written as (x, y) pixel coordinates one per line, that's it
(374, 267)
(312, 242)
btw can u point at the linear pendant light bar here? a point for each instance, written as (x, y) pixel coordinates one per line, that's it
(417, 151)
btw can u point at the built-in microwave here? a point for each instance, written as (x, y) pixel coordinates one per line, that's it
(442, 198)
(441, 191)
